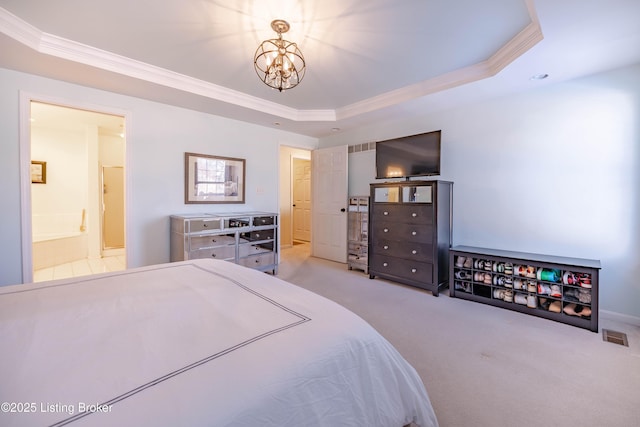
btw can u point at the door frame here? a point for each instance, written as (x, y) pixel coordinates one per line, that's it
(26, 230)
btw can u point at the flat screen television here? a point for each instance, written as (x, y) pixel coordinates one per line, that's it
(415, 155)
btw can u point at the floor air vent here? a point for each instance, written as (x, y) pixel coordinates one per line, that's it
(615, 337)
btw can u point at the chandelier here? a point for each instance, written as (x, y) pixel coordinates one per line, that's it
(278, 62)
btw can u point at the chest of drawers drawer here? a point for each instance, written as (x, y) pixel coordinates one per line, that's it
(413, 214)
(402, 249)
(403, 232)
(404, 268)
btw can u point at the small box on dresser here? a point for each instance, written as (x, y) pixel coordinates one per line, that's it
(245, 238)
(553, 287)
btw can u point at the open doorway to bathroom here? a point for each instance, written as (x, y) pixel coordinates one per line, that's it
(77, 191)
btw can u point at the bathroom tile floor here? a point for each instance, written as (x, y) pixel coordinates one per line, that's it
(82, 267)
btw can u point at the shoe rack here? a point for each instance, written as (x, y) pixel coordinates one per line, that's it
(556, 288)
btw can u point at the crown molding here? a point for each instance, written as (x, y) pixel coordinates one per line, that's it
(49, 44)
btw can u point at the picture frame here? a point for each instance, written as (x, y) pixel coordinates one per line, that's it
(38, 172)
(213, 179)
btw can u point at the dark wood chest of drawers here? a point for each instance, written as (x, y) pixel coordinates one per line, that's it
(410, 233)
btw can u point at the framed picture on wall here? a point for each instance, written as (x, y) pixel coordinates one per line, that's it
(38, 172)
(213, 179)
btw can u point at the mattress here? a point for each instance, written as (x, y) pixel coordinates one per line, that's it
(201, 342)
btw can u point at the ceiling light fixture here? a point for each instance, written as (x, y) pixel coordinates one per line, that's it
(278, 62)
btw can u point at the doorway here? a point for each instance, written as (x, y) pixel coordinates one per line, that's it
(290, 159)
(73, 221)
(301, 172)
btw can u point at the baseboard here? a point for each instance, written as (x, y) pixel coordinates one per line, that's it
(619, 317)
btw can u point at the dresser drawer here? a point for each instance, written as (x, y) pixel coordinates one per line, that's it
(247, 249)
(357, 248)
(222, 252)
(419, 233)
(261, 260)
(406, 269)
(263, 220)
(254, 236)
(210, 241)
(408, 250)
(198, 225)
(410, 213)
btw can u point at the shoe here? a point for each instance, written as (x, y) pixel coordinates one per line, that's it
(584, 296)
(468, 263)
(555, 307)
(585, 280)
(487, 278)
(531, 286)
(498, 293)
(487, 265)
(518, 284)
(520, 299)
(463, 275)
(460, 261)
(508, 282)
(544, 303)
(555, 291)
(570, 309)
(544, 289)
(508, 268)
(508, 296)
(532, 301)
(569, 278)
(585, 312)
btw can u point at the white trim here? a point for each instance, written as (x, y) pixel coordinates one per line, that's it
(619, 317)
(25, 165)
(49, 44)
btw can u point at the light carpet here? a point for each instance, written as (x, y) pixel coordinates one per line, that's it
(486, 366)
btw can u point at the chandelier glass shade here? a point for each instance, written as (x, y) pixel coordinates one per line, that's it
(278, 62)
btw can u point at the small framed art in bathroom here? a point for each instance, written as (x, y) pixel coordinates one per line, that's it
(38, 172)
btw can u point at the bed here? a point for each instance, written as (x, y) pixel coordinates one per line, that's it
(195, 343)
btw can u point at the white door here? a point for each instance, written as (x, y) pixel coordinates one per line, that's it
(329, 211)
(301, 199)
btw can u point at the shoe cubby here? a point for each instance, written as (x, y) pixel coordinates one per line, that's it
(557, 288)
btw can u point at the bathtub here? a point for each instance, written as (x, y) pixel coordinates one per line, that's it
(51, 249)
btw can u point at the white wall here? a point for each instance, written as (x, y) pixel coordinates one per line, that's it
(158, 136)
(58, 204)
(554, 170)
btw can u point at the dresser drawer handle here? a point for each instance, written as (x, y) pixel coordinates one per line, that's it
(413, 270)
(258, 235)
(414, 252)
(385, 213)
(384, 264)
(413, 233)
(205, 225)
(385, 247)
(414, 214)
(213, 255)
(386, 230)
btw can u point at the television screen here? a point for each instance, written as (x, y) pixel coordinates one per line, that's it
(416, 155)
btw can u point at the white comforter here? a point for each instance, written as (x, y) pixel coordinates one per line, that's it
(195, 343)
